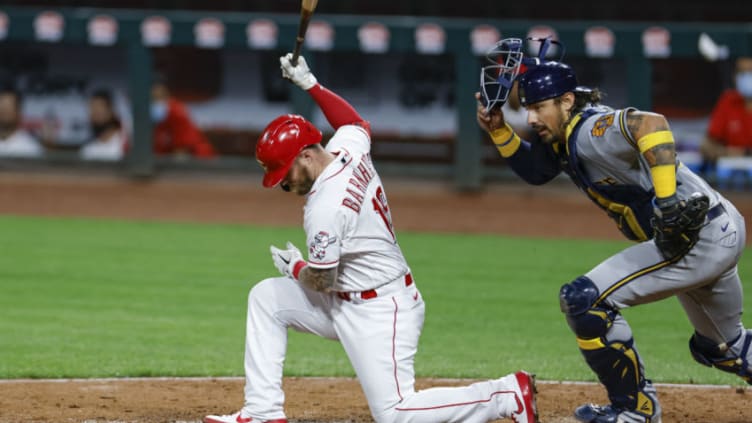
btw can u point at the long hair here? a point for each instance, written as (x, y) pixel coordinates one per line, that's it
(583, 98)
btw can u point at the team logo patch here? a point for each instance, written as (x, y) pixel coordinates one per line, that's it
(600, 126)
(321, 241)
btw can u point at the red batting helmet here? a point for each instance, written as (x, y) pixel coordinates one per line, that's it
(280, 143)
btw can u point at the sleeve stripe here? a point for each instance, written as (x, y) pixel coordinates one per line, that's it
(326, 265)
(623, 126)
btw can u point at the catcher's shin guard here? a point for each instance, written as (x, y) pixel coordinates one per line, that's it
(619, 369)
(706, 352)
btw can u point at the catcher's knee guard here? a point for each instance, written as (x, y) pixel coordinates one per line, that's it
(577, 301)
(706, 352)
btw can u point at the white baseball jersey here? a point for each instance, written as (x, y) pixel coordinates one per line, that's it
(348, 225)
(347, 220)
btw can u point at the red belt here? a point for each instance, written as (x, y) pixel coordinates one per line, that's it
(370, 293)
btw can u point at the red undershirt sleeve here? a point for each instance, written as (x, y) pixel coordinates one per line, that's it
(336, 109)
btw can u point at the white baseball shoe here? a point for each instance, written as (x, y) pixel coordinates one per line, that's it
(527, 410)
(238, 418)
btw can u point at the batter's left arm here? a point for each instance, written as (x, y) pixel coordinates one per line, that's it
(290, 263)
(337, 110)
(656, 144)
(318, 279)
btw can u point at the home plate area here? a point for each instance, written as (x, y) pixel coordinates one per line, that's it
(159, 400)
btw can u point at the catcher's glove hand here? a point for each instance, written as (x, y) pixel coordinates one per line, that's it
(677, 224)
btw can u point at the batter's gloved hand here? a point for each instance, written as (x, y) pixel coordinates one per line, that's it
(300, 75)
(289, 261)
(677, 224)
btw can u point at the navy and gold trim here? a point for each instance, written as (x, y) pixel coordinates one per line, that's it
(624, 128)
(629, 278)
(507, 141)
(629, 206)
(628, 215)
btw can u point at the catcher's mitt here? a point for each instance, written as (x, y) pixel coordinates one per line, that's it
(677, 224)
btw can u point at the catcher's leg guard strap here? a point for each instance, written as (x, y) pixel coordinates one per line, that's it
(706, 352)
(577, 300)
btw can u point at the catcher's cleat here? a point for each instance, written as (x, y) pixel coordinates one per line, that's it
(646, 409)
(591, 413)
(238, 418)
(527, 411)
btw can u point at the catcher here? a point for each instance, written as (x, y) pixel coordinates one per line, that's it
(689, 237)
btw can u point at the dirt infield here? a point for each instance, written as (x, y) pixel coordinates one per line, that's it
(308, 400)
(556, 210)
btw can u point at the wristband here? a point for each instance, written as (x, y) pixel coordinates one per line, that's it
(664, 180)
(506, 140)
(297, 267)
(664, 176)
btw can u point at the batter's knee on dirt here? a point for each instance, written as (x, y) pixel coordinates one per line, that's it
(709, 353)
(585, 317)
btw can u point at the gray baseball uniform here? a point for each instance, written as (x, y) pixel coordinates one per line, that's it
(604, 161)
(705, 280)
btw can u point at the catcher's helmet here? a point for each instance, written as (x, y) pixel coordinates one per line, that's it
(546, 80)
(280, 143)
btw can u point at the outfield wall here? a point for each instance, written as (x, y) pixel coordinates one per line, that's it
(413, 77)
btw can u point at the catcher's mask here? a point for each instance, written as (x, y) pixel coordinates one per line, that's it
(497, 76)
(280, 143)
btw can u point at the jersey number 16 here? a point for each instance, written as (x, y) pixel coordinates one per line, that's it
(382, 208)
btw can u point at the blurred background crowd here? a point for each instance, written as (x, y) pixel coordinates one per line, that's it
(73, 86)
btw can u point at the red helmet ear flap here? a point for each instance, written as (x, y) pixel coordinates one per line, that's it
(280, 143)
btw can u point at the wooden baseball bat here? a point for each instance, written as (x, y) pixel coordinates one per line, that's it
(306, 11)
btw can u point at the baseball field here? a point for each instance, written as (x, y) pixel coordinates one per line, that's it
(137, 292)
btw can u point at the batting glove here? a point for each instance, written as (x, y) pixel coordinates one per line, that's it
(300, 75)
(289, 262)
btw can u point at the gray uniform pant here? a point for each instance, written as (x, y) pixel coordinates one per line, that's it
(705, 281)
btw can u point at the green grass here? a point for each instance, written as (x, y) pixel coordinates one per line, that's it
(98, 298)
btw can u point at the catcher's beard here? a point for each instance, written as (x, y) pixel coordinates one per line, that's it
(561, 128)
(556, 132)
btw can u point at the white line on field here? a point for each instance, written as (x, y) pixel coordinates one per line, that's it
(240, 379)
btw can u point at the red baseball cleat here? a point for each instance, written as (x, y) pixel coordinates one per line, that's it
(528, 411)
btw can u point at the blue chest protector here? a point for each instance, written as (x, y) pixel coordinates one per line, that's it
(630, 206)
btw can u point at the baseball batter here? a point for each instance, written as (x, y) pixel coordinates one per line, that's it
(690, 237)
(355, 285)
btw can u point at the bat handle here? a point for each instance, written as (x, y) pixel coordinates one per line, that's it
(296, 51)
(305, 17)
